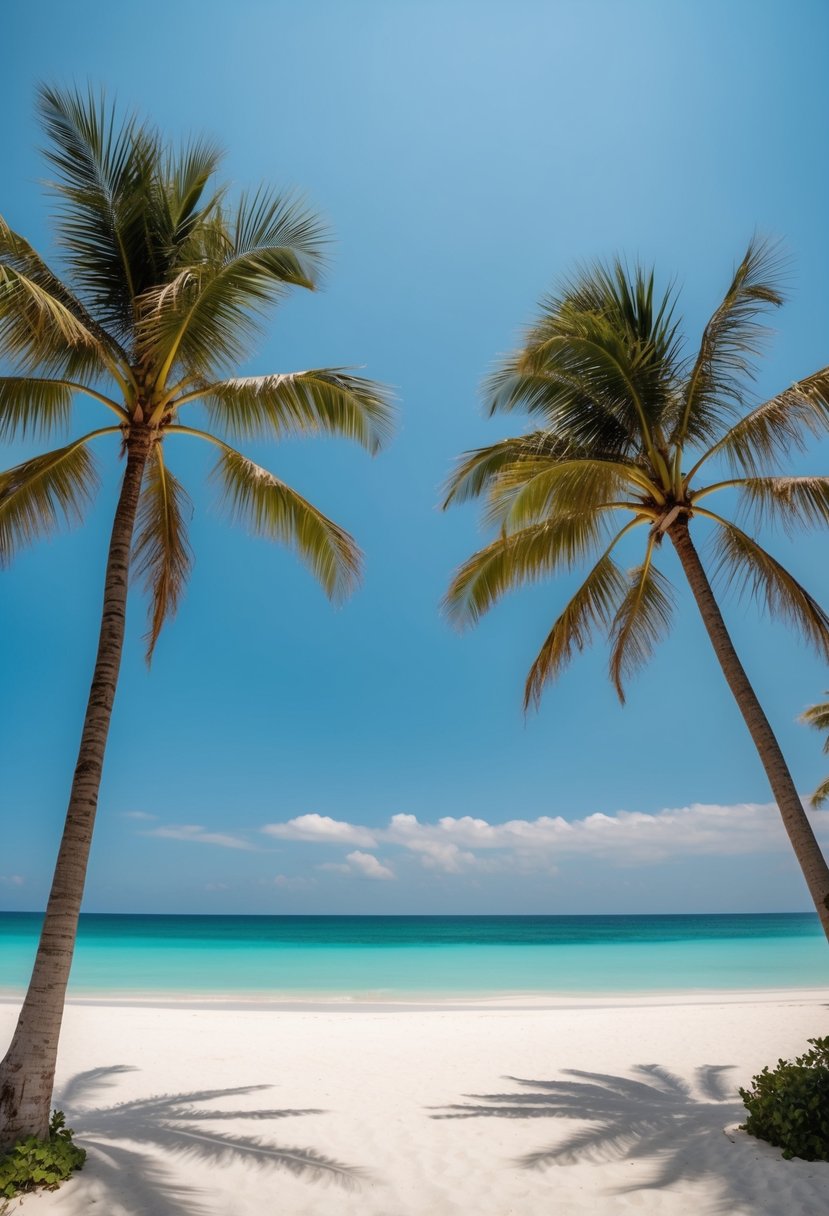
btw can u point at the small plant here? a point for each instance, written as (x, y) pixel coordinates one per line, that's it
(40, 1164)
(789, 1107)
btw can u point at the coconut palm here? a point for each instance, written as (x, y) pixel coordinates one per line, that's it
(628, 426)
(818, 717)
(165, 283)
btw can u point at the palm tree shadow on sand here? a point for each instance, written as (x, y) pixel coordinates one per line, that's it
(655, 1115)
(124, 1142)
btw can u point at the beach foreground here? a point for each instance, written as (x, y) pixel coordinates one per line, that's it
(498, 1108)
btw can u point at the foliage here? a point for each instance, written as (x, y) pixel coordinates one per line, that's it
(818, 717)
(41, 1164)
(789, 1106)
(164, 283)
(625, 423)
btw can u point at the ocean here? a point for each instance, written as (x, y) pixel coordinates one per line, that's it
(360, 957)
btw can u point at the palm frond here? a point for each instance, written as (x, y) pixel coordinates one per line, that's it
(105, 170)
(641, 621)
(777, 427)
(790, 501)
(209, 312)
(594, 605)
(518, 558)
(717, 382)
(820, 797)
(40, 494)
(579, 417)
(186, 177)
(476, 470)
(530, 491)
(37, 330)
(32, 405)
(325, 400)
(277, 512)
(162, 553)
(601, 362)
(28, 334)
(817, 716)
(745, 565)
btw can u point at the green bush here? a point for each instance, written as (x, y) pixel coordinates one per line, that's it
(35, 1164)
(789, 1107)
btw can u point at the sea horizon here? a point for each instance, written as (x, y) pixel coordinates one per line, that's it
(362, 956)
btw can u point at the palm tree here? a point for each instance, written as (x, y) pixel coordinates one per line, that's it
(165, 283)
(626, 425)
(818, 717)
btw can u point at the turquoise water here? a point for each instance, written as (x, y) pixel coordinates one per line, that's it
(361, 956)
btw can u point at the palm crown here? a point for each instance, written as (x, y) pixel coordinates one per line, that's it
(627, 424)
(165, 283)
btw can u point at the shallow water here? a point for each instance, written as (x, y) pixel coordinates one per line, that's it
(420, 955)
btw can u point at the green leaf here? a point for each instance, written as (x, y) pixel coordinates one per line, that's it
(724, 364)
(325, 400)
(162, 553)
(744, 564)
(277, 512)
(593, 606)
(778, 427)
(30, 404)
(641, 622)
(38, 495)
(234, 267)
(520, 558)
(791, 501)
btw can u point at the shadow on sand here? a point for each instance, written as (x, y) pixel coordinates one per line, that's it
(652, 1114)
(126, 1142)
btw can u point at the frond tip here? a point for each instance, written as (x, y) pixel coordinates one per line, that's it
(743, 563)
(162, 553)
(277, 512)
(594, 605)
(641, 622)
(40, 494)
(519, 558)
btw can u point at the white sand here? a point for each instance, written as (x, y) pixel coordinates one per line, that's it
(430, 1112)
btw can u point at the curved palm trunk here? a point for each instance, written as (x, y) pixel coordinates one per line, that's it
(807, 850)
(27, 1073)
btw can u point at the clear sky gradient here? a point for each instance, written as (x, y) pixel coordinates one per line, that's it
(466, 154)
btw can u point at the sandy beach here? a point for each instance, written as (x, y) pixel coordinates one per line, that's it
(505, 1108)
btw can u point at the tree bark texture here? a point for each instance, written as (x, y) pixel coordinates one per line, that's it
(28, 1070)
(806, 848)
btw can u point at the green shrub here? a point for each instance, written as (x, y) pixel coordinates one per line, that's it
(35, 1164)
(789, 1107)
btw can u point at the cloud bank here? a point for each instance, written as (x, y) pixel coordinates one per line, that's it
(628, 838)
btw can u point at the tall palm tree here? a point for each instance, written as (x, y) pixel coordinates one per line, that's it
(627, 424)
(818, 717)
(165, 284)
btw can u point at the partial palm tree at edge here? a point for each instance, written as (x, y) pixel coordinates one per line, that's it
(626, 424)
(166, 283)
(817, 716)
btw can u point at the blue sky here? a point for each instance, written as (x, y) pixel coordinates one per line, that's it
(466, 154)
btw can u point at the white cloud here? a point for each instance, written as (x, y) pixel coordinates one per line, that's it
(368, 865)
(197, 834)
(320, 829)
(12, 880)
(364, 864)
(626, 838)
(143, 815)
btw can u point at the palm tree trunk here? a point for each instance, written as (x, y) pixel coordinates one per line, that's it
(806, 848)
(27, 1072)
